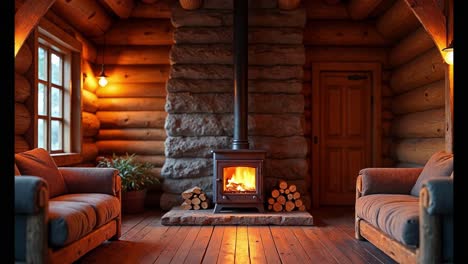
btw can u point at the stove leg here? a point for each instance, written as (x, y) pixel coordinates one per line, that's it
(261, 208)
(217, 208)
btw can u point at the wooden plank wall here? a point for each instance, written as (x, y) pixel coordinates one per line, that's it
(135, 52)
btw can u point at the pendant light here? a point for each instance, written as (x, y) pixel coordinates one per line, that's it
(102, 75)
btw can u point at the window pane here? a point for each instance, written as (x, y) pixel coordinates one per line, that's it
(42, 64)
(42, 99)
(56, 102)
(56, 69)
(56, 135)
(41, 133)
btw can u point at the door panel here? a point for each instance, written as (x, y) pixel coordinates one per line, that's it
(345, 134)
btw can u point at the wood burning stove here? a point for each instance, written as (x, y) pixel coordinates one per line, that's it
(238, 179)
(238, 172)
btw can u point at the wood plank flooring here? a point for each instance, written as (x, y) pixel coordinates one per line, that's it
(330, 240)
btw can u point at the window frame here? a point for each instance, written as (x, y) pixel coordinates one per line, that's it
(72, 78)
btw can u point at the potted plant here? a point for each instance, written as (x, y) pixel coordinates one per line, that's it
(135, 176)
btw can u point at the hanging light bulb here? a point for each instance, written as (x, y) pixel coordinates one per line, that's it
(102, 77)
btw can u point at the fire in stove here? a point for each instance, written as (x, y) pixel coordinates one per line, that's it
(239, 180)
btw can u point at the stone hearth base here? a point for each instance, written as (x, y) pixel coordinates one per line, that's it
(177, 216)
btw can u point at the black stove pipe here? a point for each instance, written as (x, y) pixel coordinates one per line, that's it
(240, 140)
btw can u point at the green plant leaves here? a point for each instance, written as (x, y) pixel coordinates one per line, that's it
(134, 175)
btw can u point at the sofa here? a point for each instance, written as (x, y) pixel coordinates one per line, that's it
(408, 212)
(62, 213)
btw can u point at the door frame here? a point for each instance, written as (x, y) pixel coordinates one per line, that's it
(376, 73)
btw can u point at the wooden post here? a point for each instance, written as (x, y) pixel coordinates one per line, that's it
(430, 237)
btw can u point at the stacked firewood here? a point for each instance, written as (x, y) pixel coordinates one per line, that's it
(285, 197)
(194, 198)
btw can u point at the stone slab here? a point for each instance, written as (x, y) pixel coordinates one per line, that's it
(177, 216)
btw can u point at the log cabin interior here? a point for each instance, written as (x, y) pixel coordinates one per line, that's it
(322, 101)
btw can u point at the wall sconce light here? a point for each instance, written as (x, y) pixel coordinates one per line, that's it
(449, 53)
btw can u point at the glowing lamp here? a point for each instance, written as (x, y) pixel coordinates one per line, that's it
(448, 53)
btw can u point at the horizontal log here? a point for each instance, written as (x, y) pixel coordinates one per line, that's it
(426, 68)
(346, 54)
(322, 10)
(256, 35)
(132, 134)
(90, 82)
(23, 119)
(132, 119)
(88, 51)
(219, 18)
(90, 101)
(226, 86)
(122, 8)
(90, 124)
(144, 147)
(124, 55)
(125, 90)
(426, 124)
(411, 46)
(212, 71)
(22, 88)
(397, 22)
(228, 4)
(21, 145)
(89, 17)
(280, 125)
(89, 152)
(159, 9)
(132, 104)
(137, 31)
(23, 59)
(418, 151)
(420, 99)
(342, 33)
(223, 103)
(137, 73)
(360, 9)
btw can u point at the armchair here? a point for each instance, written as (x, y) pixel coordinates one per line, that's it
(78, 217)
(408, 212)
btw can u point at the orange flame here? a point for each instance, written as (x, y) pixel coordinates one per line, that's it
(239, 179)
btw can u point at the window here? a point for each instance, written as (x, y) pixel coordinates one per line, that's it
(51, 91)
(57, 123)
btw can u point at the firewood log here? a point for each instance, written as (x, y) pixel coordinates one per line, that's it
(296, 195)
(281, 199)
(298, 203)
(205, 204)
(275, 193)
(289, 206)
(283, 185)
(277, 207)
(271, 200)
(292, 188)
(186, 206)
(196, 206)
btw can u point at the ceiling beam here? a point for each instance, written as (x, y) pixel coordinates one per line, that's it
(122, 8)
(27, 17)
(360, 9)
(432, 19)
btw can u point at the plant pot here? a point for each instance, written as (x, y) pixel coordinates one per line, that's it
(133, 202)
(288, 4)
(190, 4)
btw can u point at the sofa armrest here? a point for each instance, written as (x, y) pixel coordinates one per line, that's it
(388, 180)
(439, 196)
(91, 180)
(31, 194)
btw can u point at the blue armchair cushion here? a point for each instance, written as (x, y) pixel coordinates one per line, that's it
(105, 206)
(397, 215)
(69, 221)
(38, 162)
(440, 164)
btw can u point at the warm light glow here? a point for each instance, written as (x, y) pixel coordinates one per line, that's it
(102, 81)
(449, 57)
(239, 179)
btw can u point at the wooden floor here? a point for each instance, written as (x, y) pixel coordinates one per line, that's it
(330, 240)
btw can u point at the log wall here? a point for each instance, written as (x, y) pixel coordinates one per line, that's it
(130, 109)
(200, 87)
(418, 105)
(23, 96)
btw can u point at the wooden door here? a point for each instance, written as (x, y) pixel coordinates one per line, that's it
(344, 139)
